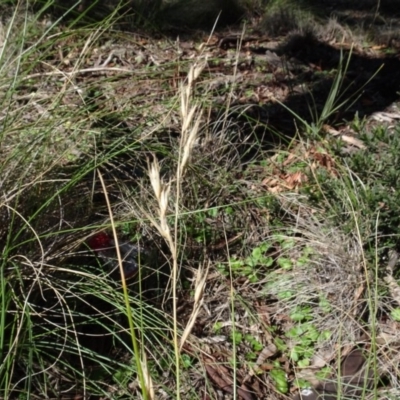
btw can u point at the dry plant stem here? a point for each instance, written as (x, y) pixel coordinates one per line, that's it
(161, 192)
(235, 71)
(138, 356)
(187, 142)
(232, 300)
(191, 119)
(374, 312)
(201, 278)
(232, 292)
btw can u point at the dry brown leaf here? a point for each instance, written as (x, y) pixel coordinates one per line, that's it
(295, 179)
(219, 375)
(353, 141)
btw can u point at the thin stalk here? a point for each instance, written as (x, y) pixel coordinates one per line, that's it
(126, 296)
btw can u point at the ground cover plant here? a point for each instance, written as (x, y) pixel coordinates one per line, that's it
(251, 172)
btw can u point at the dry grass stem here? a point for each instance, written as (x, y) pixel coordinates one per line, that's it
(147, 378)
(200, 283)
(155, 180)
(136, 351)
(161, 191)
(189, 132)
(188, 146)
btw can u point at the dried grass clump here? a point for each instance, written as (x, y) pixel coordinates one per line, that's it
(335, 268)
(333, 282)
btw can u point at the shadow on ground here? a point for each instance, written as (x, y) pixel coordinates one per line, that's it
(370, 84)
